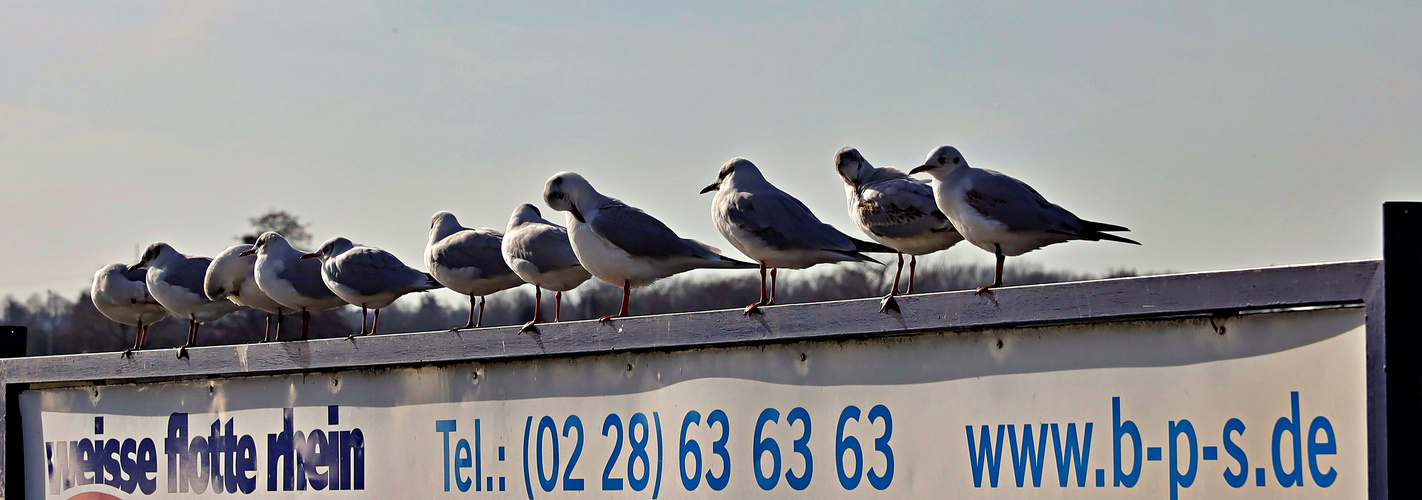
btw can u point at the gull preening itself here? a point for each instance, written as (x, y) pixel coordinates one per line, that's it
(1003, 215)
(290, 281)
(540, 253)
(468, 261)
(367, 277)
(175, 280)
(122, 296)
(895, 210)
(623, 245)
(232, 276)
(774, 228)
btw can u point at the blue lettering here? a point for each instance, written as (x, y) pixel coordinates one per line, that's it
(1033, 454)
(1178, 480)
(1316, 448)
(1075, 453)
(979, 456)
(1235, 480)
(1295, 476)
(1118, 430)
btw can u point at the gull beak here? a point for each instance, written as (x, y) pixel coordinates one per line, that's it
(713, 187)
(920, 168)
(249, 251)
(855, 185)
(578, 215)
(311, 256)
(135, 267)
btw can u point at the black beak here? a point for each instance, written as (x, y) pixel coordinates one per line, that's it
(920, 168)
(249, 251)
(713, 187)
(578, 215)
(311, 256)
(135, 267)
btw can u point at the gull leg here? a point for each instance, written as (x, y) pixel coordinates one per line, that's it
(913, 263)
(267, 332)
(772, 286)
(755, 308)
(137, 340)
(374, 322)
(363, 315)
(626, 297)
(470, 323)
(998, 281)
(192, 336)
(480, 320)
(537, 308)
(557, 306)
(889, 303)
(305, 322)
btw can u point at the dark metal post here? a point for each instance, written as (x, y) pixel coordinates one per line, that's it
(1402, 294)
(12, 458)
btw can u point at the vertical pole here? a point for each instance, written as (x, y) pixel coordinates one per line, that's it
(12, 450)
(1402, 290)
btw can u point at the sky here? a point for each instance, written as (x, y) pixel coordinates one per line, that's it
(1225, 136)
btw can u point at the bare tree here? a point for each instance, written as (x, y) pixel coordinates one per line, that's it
(280, 221)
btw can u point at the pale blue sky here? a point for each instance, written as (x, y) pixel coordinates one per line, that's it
(1224, 135)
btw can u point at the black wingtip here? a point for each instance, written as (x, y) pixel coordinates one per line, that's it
(1112, 237)
(1096, 227)
(869, 246)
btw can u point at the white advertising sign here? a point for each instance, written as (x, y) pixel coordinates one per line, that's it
(1165, 409)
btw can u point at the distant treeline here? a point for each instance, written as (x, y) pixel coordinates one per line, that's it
(70, 324)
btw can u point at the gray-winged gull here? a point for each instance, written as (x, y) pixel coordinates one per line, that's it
(175, 280)
(540, 253)
(621, 244)
(468, 261)
(122, 295)
(291, 281)
(368, 277)
(1003, 215)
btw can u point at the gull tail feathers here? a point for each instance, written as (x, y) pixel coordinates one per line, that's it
(1096, 231)
(428, 283)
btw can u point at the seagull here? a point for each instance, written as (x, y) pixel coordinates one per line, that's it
(175, 280)
(896, 210)
(1003, 215)
(774, 228)
(289, 280)
(121, 295)
(467, 261)
(540, 253)
(368, 277)
(621, 244)
(232, 276)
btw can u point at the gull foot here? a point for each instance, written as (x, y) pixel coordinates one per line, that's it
(607, 318)
(754, 309)
(182, 352)
(889, 304)
(529, 327)
(984, 288)
(127, 353)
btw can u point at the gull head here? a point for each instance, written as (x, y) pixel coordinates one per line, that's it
(524, 214)
(331, 248)
(850, 165)
(565, 191)
(226, 272)
(155, 253)
(941, 162)
(443, 224)
(738, 169)
(266, 243)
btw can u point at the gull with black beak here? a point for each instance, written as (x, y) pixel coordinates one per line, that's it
(289, 280)
(468, 261)
(368, 277)
(774, 228)
(896, 210)
(122, 295)
(1001, 214)
(175, 280)
(622, 245)
(232, 276)
(540, 253)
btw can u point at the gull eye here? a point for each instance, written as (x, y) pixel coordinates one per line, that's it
(956, 160)
(943, 160)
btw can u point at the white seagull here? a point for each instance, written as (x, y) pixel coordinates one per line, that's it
(175, 280)
(232, 276)
(896, 210)
(468, 261)
(774, 228)
(122, 295)
(368, 277)
(1003, 215)
(540, 253)
(291, 281)
(622, 245)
